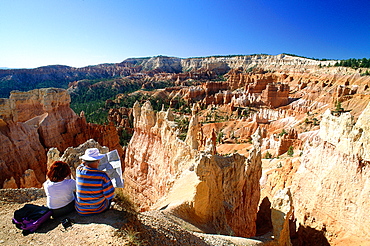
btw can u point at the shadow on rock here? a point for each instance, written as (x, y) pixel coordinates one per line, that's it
(111, 217)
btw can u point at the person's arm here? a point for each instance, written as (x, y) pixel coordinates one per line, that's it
(73, 184)
(108, 189)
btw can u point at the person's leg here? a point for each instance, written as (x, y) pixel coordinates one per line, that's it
(64, 210)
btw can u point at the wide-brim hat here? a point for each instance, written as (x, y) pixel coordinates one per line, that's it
(92, 154)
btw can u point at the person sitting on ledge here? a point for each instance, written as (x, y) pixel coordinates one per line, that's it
(94, 188)
(59, 189)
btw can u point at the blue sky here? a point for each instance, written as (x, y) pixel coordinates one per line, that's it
(89, 32)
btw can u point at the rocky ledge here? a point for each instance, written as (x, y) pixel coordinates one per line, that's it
(21, 195)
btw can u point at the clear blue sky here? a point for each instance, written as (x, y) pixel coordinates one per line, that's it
(88, 32)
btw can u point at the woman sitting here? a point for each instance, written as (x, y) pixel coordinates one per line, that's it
(59, 189)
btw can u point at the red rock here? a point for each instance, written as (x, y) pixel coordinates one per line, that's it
(37, 120)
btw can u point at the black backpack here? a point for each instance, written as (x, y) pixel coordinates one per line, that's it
(30, 217)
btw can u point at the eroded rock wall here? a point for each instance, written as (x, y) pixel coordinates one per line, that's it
(163, 172)
(155, 156)
(32, 122)
(329, 183)
(268, 62)
(20, 150)
(331, 187)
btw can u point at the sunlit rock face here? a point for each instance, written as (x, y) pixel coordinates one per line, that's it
(328, 183)
(20, 150)
(154, 156)
(331, 187)
(220, 193)
(163, 172)
(280, 62)
(31, 123)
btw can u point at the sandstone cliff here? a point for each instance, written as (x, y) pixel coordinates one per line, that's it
(173, 67)
(268, 62)
(330, 189)
(222, 64)
(301, 92)
(31, 123)
(163, 172)
(328, 183)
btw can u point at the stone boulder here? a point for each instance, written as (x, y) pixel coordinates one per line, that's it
(72, 155)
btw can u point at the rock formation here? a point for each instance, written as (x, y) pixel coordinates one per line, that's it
(330, 189)
(211, 191)
(309, 96)
(242, 89)
(328, 184)
(281, 210)
(168, 68)
(155, 156)
(275, 96)
(244, 108)
(71, 155)
(32, 122)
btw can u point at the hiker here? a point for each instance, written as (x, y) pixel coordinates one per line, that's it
(94, 187)
(60, 189)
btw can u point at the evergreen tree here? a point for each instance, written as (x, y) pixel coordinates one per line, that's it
(290, 151)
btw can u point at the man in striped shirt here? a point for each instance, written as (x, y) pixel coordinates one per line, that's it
(94, 189)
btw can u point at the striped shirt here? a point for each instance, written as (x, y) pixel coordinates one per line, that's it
(94, 190)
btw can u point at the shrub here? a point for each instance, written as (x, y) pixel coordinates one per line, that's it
(124, 137)
(366, 73)
(132, 231)
(315, 121)
(290, 151)
(219, 137)
(183, 126)
(282, 133)
(123, 201)
(268, 155)
(338, 106)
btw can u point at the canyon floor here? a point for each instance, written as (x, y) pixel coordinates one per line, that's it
(158, 228)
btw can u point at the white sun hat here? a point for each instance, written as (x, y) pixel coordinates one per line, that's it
(92, 154)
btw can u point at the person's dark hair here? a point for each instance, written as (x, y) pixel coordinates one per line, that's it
(58, 171)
